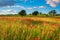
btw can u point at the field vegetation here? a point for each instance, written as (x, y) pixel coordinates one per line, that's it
(33, 26)
(29, 28)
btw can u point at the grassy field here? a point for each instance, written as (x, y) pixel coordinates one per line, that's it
(29, 28)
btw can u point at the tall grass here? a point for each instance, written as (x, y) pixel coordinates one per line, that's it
(28, 29)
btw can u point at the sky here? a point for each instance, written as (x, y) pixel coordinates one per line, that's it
(14, 6)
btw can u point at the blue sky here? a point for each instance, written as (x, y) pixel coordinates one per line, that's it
(14, 6)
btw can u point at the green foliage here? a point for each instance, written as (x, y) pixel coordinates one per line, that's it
(35, 13)
(52, 13)
(22, 13)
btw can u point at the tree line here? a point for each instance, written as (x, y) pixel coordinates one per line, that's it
(50, 13)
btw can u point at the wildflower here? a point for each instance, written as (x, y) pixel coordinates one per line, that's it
(58, 34)
(5, 34)
(15, 20)
(33, 39)
(54, 38)
(51, 31)
(38, 38)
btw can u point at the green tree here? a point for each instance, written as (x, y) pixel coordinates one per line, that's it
(52, 13)
(22, 13)
(35, 13)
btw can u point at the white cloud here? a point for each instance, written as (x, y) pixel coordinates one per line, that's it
(22, 7)
(8, 11)
(53, 3)
(29, 8)
(34, 7)
(41, 6)
(15, 6)
(11, 11)
(57, 1)
(27, 0)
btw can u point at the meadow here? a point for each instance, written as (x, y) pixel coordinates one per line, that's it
(29, 28)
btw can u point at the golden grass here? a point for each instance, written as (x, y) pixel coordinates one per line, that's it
(29, 28)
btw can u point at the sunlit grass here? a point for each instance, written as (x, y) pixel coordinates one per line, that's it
(26, 28)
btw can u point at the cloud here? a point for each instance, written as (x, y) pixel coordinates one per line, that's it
(7, 2)
(53, 3)
(10, 2)
(15, 6)
(29, 0)
(41, 6)
(29, 8)
(34, 7)
(8, 12)
(26, 0)
(21, 7)
(57, 1)
(18, 6)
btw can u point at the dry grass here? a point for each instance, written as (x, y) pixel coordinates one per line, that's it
(29, 28)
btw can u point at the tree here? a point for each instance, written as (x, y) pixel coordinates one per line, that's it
(53, 12)
(22, 13)
(35, 13)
